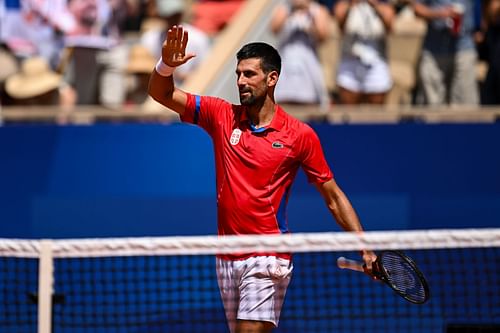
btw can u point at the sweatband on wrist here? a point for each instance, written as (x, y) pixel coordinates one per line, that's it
(164, 69)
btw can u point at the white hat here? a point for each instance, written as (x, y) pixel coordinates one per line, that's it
(34, 79)
(169, 7)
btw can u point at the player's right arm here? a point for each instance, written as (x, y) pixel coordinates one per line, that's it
(161, 85)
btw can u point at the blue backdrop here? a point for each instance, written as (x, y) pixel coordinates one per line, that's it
(157, 180)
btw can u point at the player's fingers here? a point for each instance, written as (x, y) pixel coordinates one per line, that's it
(368, 271)
(369, 258)
(371, 272)
(168, 44)
(174, 47)
(171, 37)
(188, 57)
(184, 42)
(179, 34)
(169, 47)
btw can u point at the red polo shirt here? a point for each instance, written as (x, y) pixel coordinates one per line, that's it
(255, 168)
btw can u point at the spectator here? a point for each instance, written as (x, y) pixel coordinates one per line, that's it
(139, 70)
(447, 70)
(490, 51)
(36, 84)
(32, 27)
(99, 55)
(300, 25)
(363, 74)
(86, 16)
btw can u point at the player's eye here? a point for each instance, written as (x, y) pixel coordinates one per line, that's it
(249, 73)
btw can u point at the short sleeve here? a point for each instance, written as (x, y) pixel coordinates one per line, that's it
(204, 111)
(312, 157)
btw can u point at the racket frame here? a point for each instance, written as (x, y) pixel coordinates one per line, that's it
(379, 272)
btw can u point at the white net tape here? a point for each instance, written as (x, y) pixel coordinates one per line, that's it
(299, 242)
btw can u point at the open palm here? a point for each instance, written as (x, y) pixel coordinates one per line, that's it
(173, 51)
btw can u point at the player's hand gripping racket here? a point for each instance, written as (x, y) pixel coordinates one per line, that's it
(398, 271)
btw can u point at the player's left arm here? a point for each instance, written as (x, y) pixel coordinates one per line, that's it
(340, 206)
(344, 213)
(318, 172)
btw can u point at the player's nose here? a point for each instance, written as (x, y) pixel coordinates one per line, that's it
(241, 81)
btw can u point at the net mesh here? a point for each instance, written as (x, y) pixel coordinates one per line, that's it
(170, 285)
(18, 285)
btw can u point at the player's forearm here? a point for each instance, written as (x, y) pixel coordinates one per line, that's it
(161, 88)
(344, 214)
(340, 206)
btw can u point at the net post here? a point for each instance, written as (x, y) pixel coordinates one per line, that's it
(45, 285)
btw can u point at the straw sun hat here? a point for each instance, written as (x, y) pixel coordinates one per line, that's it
(140, 60)
(34, 79)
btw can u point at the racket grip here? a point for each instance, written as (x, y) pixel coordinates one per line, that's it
(354, 265)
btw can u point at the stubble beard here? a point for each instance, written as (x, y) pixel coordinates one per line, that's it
(248, 101)
(252, 100)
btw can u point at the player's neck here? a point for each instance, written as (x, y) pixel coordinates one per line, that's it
(263, 115)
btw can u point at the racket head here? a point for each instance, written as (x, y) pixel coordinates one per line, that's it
(401, 273)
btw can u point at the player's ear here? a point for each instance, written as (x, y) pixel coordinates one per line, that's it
(272, 78)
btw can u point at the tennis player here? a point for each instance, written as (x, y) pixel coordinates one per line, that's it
(258, 151)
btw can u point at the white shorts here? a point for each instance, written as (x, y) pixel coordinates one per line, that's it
(253, 288)
(355, 76)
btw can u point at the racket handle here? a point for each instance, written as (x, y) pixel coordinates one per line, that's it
(354, 265)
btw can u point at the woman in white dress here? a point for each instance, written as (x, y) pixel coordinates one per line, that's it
(300, 25)
(363, 74)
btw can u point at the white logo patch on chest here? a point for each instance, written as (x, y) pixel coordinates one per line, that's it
(235, 136)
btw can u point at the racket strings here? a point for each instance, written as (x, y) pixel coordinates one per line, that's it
(403, 277)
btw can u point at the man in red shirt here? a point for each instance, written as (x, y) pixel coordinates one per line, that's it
(258, 151)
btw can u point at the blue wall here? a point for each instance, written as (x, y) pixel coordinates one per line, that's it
(156, 180)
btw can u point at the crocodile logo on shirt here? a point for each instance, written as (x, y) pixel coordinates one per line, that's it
(277, 145)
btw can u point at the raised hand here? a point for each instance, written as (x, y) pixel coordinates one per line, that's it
(173, 52)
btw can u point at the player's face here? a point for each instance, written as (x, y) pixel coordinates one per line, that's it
(252, 81)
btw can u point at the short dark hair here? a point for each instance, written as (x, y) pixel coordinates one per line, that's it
(269, 56)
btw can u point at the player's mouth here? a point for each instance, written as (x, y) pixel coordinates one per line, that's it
(245, 92)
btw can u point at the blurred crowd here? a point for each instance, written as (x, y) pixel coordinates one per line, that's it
(101, 52)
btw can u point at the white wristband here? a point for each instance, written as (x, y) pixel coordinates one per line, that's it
(164, 69)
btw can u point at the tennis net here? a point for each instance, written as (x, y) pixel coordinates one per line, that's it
(169, 284)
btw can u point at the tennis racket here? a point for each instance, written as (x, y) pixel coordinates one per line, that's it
(398, 271)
